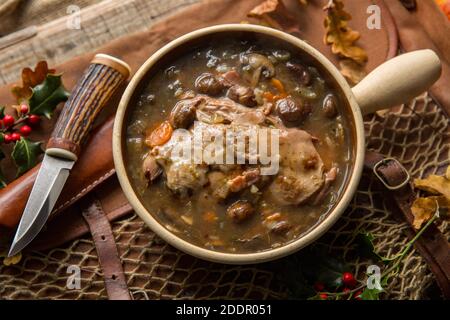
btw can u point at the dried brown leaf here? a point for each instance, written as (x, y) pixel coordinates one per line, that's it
(303, 2)
(352, 71)
(274, 14)
(339, 35)
(266, 7)
(15, 259)
(423, 209)
(30, 79)
(435, 185)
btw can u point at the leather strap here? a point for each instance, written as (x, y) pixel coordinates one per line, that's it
(432, 245)
(70, 224)
(114, 277)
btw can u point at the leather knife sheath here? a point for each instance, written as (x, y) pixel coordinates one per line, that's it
(95, 166)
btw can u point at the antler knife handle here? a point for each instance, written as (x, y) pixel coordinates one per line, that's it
(103, 77)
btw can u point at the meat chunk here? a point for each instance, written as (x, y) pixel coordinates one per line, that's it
(182, 175)
(243, 95)
(221, 110)
(183, 178)
(244, 180)
(232, 77)
(240, 210)
(295, 184)
(218, 184)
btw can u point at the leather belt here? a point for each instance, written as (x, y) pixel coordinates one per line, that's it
(113, 275)
(432, 245)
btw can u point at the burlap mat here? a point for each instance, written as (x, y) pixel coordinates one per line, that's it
(416, 133)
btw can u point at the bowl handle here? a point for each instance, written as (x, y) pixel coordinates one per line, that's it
(398, 80)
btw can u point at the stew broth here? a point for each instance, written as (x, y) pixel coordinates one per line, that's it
(231, 208)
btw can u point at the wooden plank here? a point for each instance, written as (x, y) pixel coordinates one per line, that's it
(100, 23)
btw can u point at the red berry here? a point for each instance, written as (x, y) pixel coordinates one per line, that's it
(8, 138)
(23, 108)
(348, 279)
(323, 296)
(34, 119)
(25, 130)
(8, 120)
(319, 286)
(15, 136)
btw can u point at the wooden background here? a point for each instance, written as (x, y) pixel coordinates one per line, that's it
(51, 40)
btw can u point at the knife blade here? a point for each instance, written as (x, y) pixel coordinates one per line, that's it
(48, 185)
(101, 80)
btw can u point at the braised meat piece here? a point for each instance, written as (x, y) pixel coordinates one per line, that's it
(243, 95)
(296, 183)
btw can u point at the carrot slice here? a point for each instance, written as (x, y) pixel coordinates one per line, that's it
(268, 96)
(209, 216)
(160, 135)
(278, 85)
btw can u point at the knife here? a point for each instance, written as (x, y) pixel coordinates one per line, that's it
(100, 81)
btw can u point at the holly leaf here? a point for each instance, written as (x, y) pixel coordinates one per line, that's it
(47, 95)
(339, 35)
(318, 265)
(370, 294)
(30, 79)
(366, 248)
(2, 112)
(293, 277)
(25, 155)
(2, 177)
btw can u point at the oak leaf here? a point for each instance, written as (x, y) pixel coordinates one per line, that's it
(339, 35)
(274, 14)
(30, 79)
(352, 71)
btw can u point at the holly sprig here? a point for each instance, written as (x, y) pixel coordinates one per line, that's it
(41, 91)
(315, 275)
